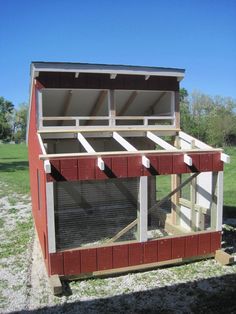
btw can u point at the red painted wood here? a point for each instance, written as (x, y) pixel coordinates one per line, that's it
(134, 166)
(72, 263)
(178, 247)
(104, 174)
(150, 252)
(154, 166)
(165, 164)
(88, 260)
(120, 256)
(56, 264)
(196, 163)
(135, 254)
(36, 166)
(86, 168)
(164, 250)
(218, 165)
(69, 174)
(206, 162)
(204, 243)
(178, 164)
(215, 241)
(104, 258)
(120, 166)
(69, 169)
(68, 163)
(191, 246)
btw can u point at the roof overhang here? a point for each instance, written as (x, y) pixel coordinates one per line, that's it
(113, 70)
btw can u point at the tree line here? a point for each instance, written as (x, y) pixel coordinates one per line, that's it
(13, 121)
(210, 119)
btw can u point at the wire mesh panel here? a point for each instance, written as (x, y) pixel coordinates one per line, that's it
(91, 212)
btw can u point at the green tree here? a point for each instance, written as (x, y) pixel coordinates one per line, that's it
(20, 122)
(6, 110)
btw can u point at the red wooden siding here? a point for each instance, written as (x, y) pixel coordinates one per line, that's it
(85, 168)
(118, 256)
(36, 170)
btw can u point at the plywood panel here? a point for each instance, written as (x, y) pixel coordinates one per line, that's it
(215, 241)
(166, 164)
(178, 247)
(86, 168)
(120, 256)
(104, 258)
(206, 162)
(218, 165)
(120, 166)
(72, 262)
(134, 166)
(191, 246)
(135, 254)
(150, 252)
(164, 250)
(88, 260)
(178, 164)
(56, 264)
(204, 243)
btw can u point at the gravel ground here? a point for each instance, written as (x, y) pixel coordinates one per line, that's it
(200, 287)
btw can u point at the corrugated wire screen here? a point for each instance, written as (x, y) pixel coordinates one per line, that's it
(91, 212)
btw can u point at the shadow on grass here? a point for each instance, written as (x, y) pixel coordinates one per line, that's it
(213, 295)
(14, 166)
(229, 212)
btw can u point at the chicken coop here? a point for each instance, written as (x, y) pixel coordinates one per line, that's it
(115, 184)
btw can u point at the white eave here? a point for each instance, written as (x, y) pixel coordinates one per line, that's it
(112, 70)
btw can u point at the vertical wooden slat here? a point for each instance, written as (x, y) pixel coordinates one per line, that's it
(150, 252)
(120, 256)
(104, 258)
(56, 264)
(178, 247)
(72, 263)
(164, 250)
(88, 260)
(135, 254)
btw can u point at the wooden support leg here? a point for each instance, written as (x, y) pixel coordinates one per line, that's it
(224, 258)
(175, 213)
(142, 209)
(55, 284)
(194, 225)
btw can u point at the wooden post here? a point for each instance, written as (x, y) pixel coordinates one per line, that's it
(175, 182)
(193, 222)
(219, 215)
(142, 209)
(111, 107)
(50, 217)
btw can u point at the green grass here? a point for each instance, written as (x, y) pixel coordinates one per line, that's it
(14, 169)
(230, 178)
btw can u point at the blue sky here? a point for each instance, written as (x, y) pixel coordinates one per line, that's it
(197, 35)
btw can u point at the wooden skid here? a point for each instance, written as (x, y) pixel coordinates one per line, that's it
(55, 284)
(136, 254)
(224, 258)
(85, 168)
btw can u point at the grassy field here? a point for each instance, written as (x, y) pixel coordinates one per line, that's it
(14, 167)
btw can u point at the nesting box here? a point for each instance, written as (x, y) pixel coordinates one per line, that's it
(115, 184)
